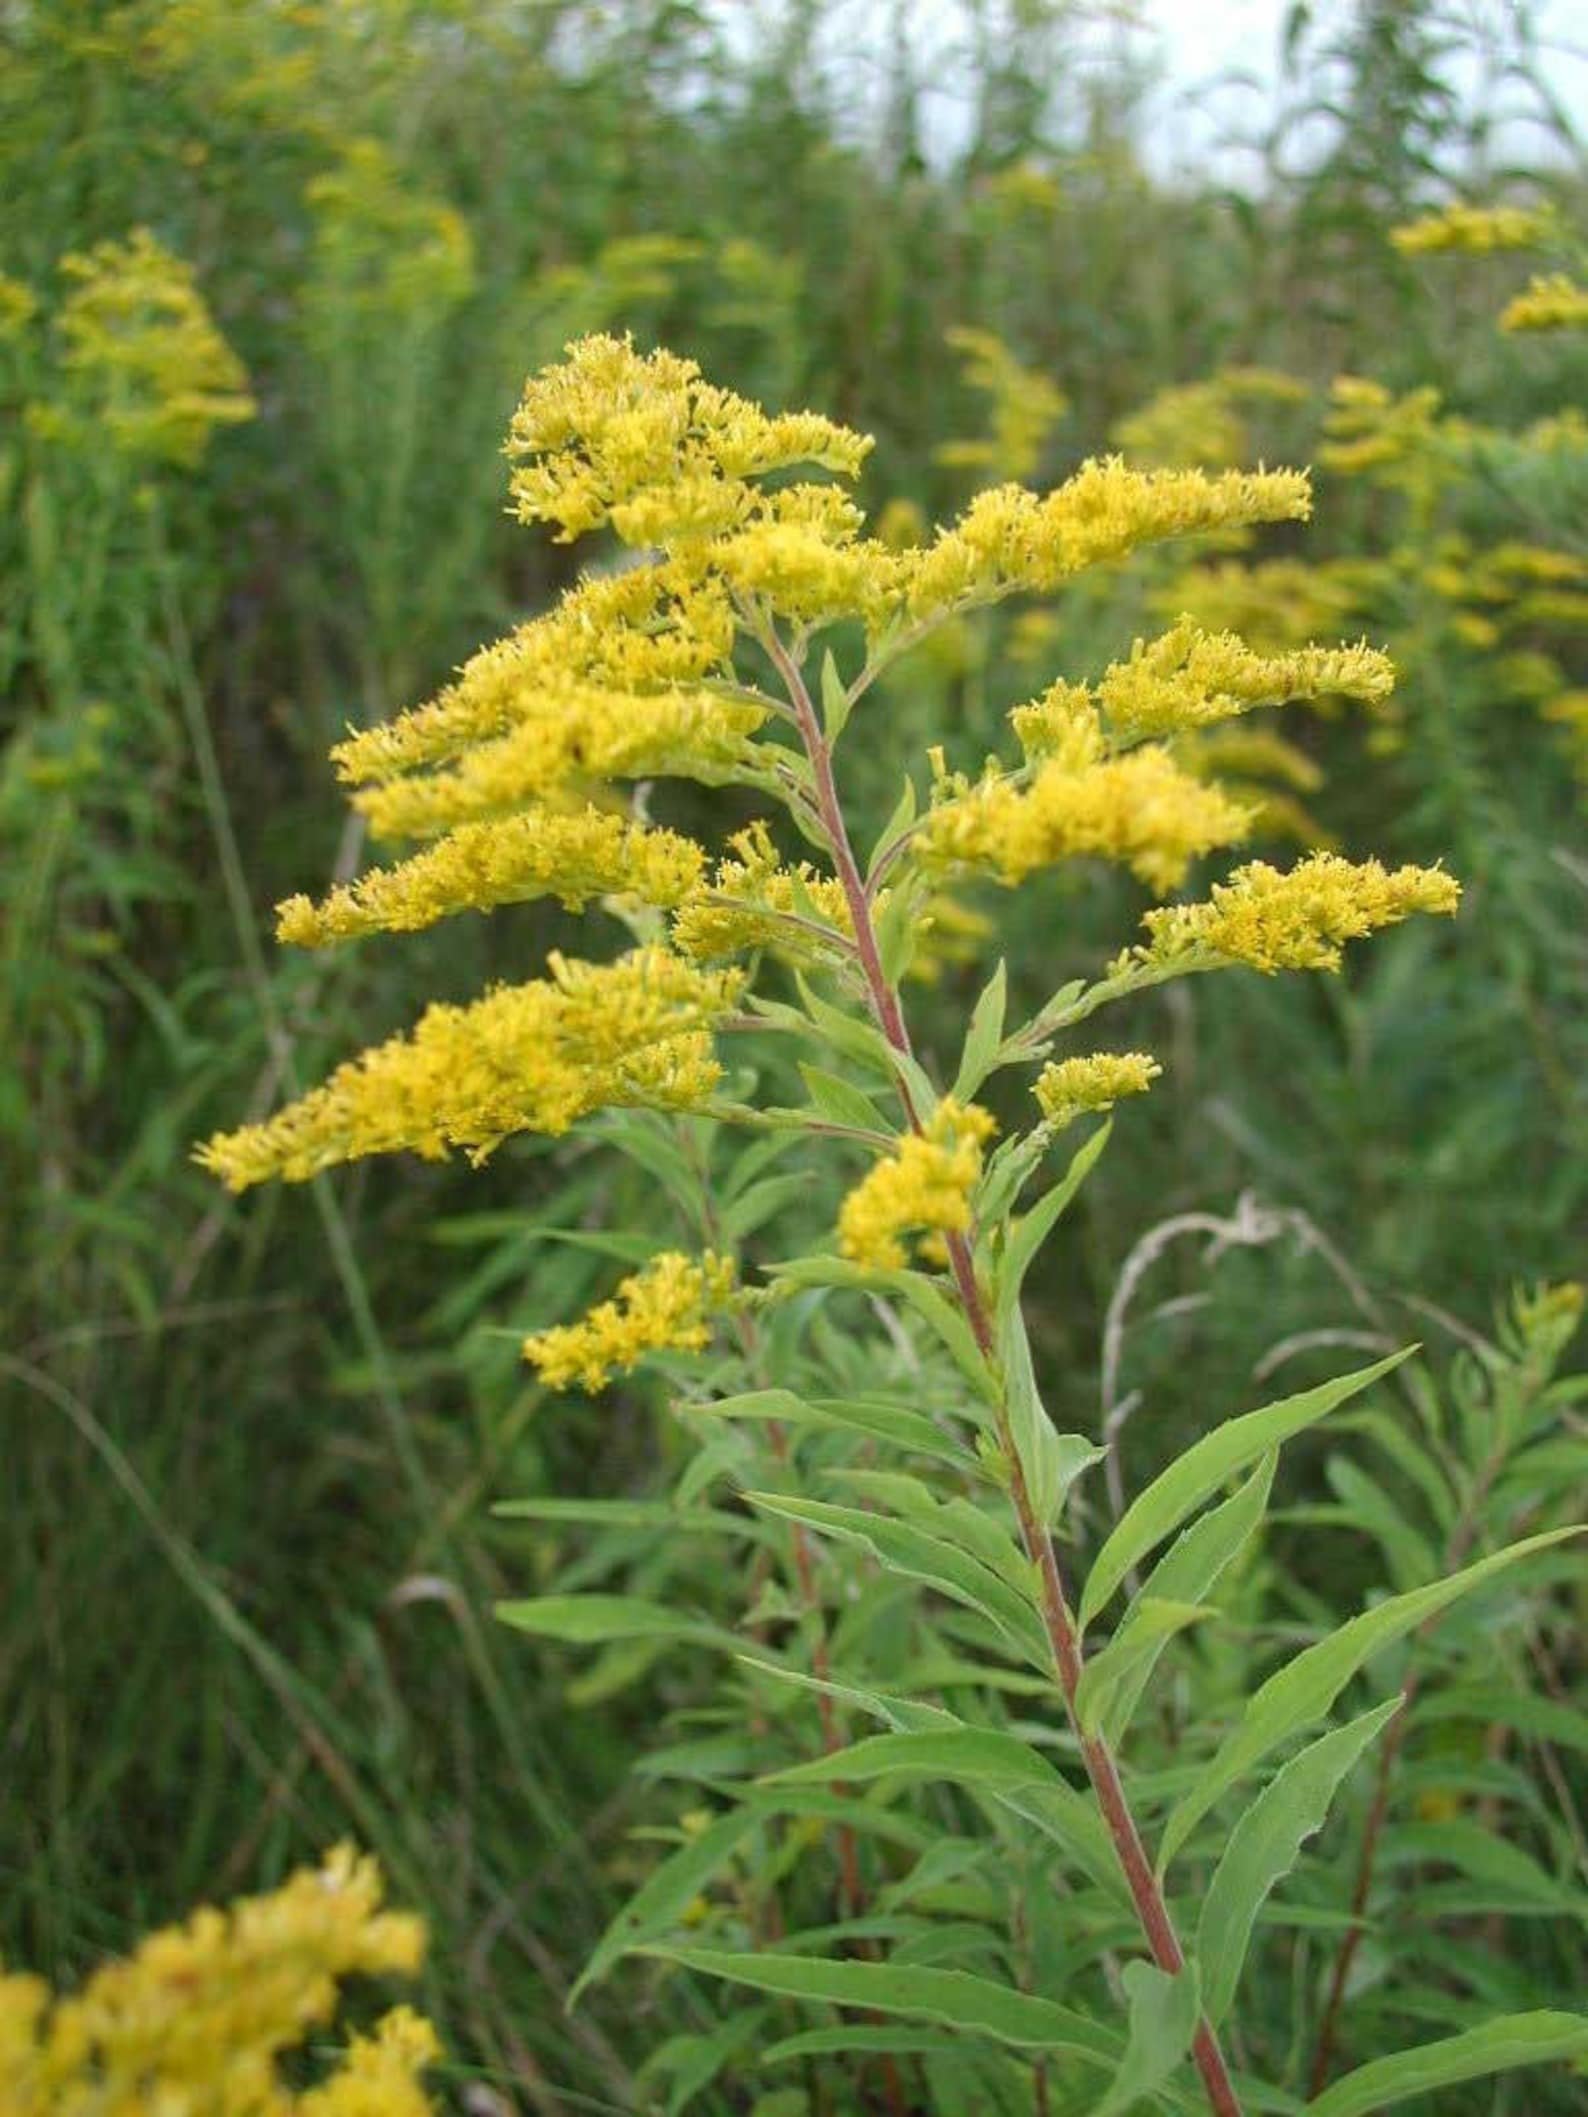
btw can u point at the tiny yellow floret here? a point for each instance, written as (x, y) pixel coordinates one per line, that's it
(662, 1308)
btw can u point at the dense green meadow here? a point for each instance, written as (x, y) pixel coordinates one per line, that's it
(254, 496)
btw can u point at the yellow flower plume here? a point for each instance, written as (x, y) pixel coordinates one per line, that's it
(923, 1186)
(198, 2016)
(533, 1057)
(1275, 921)
(537, 854)
(1069, 1088)
(662, 1308)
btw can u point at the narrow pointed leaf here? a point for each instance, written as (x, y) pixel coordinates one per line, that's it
(1205, 1466)
(1264, 1846)
(952, 1997)
(663, 1897)
(927, 1558)
(1187, 1572)
(984, 1036)
(1501, 2046)
(589, 1620)
(1304, 1690)
(1164, 2011)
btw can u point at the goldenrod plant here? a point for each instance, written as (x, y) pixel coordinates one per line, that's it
(1018, 1917)
(199, 2019)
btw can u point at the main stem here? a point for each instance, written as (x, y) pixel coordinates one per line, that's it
(1151, 1909)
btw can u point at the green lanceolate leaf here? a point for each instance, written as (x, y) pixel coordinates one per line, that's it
(591, 1620)
(983, 1037)
(836, 702)
(1028, 1233)
(1264, 1845)
(989, 1761)
(856, 2037)
(952, 1997)
(904, 813)
(1050, 1462)
(1203, 1468)
(1498, 2047)
(1164, 2012)
(1303, 1691)
(624, 1514)
(1101, 1689)
(841, 1102)
(662, 1898)
(927, 1558)
(1186, 1573)
(878, 1418)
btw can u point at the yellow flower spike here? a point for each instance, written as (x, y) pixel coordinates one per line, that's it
(1069, 1088)
(1476, 230)
(1275, 921)
(149, 375)
(533, 1057)
(1555, 303)
(923, 1186)
(575, 737)
(650, 629)
(570, 857)
(1189, 678)
(662, 1308)
(752, 900)
(198, 2016)
(640, 441)
(1142, 811)
(1010, 538)
(1024, 407)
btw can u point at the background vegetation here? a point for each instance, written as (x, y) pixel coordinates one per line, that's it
(250, 1449)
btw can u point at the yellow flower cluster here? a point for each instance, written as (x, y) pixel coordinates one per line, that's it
(755, 902)
(924, 1185)
(149, 376)
(193, 2024)
(1142, 811)
(1009, 538)
(1203, 423)
(1478, 230)
(1552, 303)
(1297, 921)
(1024, 407)
(642, 442)
(1188, 678)
(1069, 1088)
(1275, 605)
(18, 307)
(532, 1057)
(649, 629)
(569, 736)
(572, 857)
(383, 246)
(662, 1308)
(1371, 429)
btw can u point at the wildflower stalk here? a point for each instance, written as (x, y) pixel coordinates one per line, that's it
(1102, 1769)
